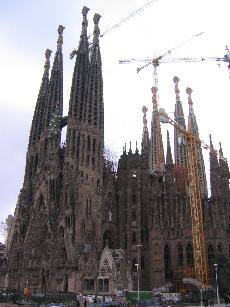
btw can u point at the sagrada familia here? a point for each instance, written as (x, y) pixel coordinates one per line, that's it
(81, 225)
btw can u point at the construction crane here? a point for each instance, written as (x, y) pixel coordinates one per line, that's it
(134, 13)
(157, 60)
(192, 143)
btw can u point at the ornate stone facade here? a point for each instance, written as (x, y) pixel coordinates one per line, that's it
(73, 203)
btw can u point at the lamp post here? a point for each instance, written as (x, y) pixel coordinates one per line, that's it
(138, 275)
(217, 288)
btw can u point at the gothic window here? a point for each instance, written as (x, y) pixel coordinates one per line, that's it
(78, 144)
(219, 249)
(180, 255)
(210, 256)
(93, 162)
(41, 203)
(87, 209)
(142, 262)
(134, 215)
(52, 190)
(36, 163)
(142, 236)
(94, 145)
(134, 237)
(83, 149)
(87, 161)
(73, 141)
(108, 239)
(147, 235)
(134, 197)
(83, 226)
(189, 254)
(167, 262)
(88, 143)
(89, 284)
(68, 221)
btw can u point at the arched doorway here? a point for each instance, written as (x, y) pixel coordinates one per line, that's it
(108, 239)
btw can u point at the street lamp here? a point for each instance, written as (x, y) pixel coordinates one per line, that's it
(138, 275)
(217, 288)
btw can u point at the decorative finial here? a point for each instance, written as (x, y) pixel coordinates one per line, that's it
(60, 37)
(47, 55)
(96, 31)
(85, 10)
(177, 91)
(130, 147)
(85, 21)
(211, 144)
(136, 148)
(154, 98)
(125, 147)
(144, 110)
(221, 150)
(189, 92)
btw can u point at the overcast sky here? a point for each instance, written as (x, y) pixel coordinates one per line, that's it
(28, 28)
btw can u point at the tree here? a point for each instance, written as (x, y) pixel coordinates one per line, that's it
(110, 159)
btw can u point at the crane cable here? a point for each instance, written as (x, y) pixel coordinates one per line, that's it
(128, 17)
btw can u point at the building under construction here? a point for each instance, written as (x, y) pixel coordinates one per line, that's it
(81, 225)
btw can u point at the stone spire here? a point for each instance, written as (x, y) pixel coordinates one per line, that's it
(145, 134)
(224, 175)
(193, 127)
(179, 140)
(156, 144)
(94, 112)
(55, 92)
(214, 171)
(37, 123)
(169, 160)
(80, 74)
(180, 155)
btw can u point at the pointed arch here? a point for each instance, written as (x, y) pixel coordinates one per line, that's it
(189, 255)
(180, 255)
(210, 256)
(167, 262)
(41, 202)
(134, 237)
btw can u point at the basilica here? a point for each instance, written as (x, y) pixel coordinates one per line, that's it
(83, 225)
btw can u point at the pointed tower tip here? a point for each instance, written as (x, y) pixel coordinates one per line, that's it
(60, 36)
(61, 29)
(177, 91)
(176, 79)
(96, 32)
(47, 63)
(48, 53)
(96, 19)
(85, 10)
(189, 91)
(144, 110)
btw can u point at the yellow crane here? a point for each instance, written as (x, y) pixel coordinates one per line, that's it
(200, 263)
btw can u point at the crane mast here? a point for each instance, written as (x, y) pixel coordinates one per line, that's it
(195, 204)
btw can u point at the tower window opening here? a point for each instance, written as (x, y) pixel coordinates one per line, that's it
(189, 253)
(180, 255)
